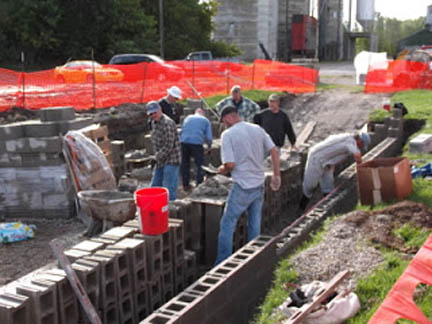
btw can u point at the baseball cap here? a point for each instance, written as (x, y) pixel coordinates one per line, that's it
(175, 92)
(227, 110)
(152, 107)
(274, 97)
(235, 88)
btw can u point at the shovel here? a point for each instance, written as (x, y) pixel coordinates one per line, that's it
(210, 170)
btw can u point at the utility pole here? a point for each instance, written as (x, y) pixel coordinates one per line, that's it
(161, 28)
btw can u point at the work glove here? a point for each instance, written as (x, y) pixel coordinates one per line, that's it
(275, 183)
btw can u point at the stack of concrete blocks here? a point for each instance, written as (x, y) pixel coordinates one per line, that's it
(176, 230)
(191, 270)
(67, 302)
(33, 174)
(43, 300)
(154, 251)
(14, 309)
(214, 297)
(118, 151)
(167, 265)
(137, 255)
(421, 144)
(396, 125)
(190, 213)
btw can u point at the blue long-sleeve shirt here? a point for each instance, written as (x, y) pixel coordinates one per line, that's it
(196, 129)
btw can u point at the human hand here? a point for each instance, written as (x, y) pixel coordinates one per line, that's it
(275, 183)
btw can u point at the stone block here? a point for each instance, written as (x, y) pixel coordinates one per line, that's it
(421, 144)
(39, 129)
(64, 126)
(12, 131)
(57, 113)
(14, 309)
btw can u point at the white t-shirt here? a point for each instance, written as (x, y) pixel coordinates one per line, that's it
(246, 145)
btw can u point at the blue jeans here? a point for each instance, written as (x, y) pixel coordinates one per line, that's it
(167, 176)
(197, 152)
(239, 200)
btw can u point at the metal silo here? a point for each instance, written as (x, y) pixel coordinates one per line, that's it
(366, 13)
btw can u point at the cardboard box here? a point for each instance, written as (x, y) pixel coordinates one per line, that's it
(384, 179)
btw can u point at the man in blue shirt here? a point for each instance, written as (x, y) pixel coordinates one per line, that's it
(195, 131)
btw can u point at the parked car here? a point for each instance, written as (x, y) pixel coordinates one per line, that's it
(82, 71)
(199, 56)
(161, 71)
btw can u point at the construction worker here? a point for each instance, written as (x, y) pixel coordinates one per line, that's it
(323, 157)
(196, 130)
(166, 145)
(247, 108)
(244, 146)
(168, 103)
(276, 123)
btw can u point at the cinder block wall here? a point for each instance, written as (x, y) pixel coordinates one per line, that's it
(33, 174)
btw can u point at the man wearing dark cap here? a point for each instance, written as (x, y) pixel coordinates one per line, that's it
(247, 108)
(166, 145)
(244, 146)
(276, 123)
(323, 157)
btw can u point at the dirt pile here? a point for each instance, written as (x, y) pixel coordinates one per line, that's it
(379, 226)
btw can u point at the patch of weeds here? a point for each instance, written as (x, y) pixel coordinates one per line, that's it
(373, 289)
(422, 191)
(411, 235)
(378, 115)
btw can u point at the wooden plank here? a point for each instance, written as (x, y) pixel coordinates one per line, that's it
(322, 295)
(305, 133)
(76, 285)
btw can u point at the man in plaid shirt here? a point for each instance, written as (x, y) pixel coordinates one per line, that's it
(166, 145)
(246, 108)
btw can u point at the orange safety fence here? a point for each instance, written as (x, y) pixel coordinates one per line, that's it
(110, 85)
(400, 75)
(399, 303)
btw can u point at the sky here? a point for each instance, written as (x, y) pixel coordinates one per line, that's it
(399, 9)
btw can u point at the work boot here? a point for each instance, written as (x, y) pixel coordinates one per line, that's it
(303, 203)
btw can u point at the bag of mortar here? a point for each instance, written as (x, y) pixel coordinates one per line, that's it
(14, 232)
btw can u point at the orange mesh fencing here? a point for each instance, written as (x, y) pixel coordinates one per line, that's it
(399, 303)
(400, 75)
(110, 85)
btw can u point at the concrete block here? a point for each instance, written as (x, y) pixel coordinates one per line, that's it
(118, 233)
(148, 145)
(14, 309)
(89, 246)
(155, 293)
(167, 285)
(158, 318)
(64, 126)
(89, 276)
(43, 301)
(194, 104)
(421, 144)
(154, 254)
(39, 129)
(127, 313)
(11, 131)
(179, 274)
(74, 255)
(141, 304)
(57, 113)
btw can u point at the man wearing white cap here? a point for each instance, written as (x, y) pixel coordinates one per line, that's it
(323, 157)
(168, 103)
(246, 107)
(166, 145)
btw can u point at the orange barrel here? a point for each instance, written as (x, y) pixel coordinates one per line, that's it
(152, 208)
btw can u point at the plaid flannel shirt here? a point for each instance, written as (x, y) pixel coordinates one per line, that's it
(165, 142)
(246, 110)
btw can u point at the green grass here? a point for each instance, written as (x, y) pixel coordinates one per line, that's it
(378, 115)
(329, 86)
(374, 288)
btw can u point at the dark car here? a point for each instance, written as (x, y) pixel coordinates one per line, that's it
(160, 71)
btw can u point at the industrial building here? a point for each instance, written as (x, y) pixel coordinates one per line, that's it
(276, 28)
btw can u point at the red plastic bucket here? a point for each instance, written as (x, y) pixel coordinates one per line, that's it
(152, 208)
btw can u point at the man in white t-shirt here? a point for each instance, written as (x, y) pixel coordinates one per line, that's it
(244, 147)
